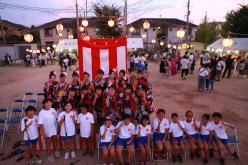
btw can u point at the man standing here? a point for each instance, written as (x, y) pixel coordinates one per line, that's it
(228, 68)
(184, 67)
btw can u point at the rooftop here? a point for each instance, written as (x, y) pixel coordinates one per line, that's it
(18, 26)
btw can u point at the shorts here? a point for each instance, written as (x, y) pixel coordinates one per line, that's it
(143, 140)
(104, 144)
(224, 141)
(28, 142)
(68, 137)
(178, 139)
(204, 138)
(123, 142)
(194, 136)
(158, 136)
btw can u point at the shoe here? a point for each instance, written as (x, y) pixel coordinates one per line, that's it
(155, 157)
(91, 153)
(73, 155)
(180, 159)
(235, 155)
(57, 154)
(38, 160)
(205, 161)
(173, 159)
(66, 155)
(222, 161)
(51, 158)
(211, 153)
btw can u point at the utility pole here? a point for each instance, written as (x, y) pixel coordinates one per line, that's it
(188, 14)
(77, 18)
(125, 19)
(2, 30)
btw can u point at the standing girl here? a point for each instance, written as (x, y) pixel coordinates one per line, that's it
(67, 120)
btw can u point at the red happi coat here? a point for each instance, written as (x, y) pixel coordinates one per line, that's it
(128, 101)
(50, 90)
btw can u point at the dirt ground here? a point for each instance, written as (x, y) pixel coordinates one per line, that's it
(230, 97)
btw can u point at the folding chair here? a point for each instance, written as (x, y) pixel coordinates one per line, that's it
(39, 97)
(28, 96)
(233, 141)
(16, 113)
(3, 127)
(2, 115)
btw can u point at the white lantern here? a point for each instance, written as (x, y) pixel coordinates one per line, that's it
(143, 35)
(179, 47)
(27, 50)
(34, 51)
(59, 28)
(111, 23)
(81, 28)
(169, 45)
(38, 51)
(28, 37)
(43, 50)
(131, 29)
(70, 36)
(153, 41)
(227, 42)
(86, 38)
(146, 25)
(60, 34)
(161, 43)
(180, 33)
(48, 48)
(174, 46)
(54, 46)
(85, 22)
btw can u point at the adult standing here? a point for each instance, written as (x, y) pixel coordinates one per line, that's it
(173, 67)
(219, 68)
(228, 68)
(184, 67)
(202, 76)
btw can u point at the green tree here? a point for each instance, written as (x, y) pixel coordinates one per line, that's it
(35, 34)
(206, 32)
(237, 21)
(104, 13)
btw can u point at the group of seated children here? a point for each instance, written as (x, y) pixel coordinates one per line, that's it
(168, 137)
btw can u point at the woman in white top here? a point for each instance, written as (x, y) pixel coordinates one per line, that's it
(47, 121)
(67, 120)
(143, 133)
(107, 141)
(203, 73)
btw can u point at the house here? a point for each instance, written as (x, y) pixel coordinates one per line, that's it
(12, 33)
(50, 36)
(162, 29)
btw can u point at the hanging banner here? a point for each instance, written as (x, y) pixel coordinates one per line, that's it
(102, 53)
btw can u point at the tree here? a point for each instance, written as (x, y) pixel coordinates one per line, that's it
(104, 13)
(35, 34)
(206, 32)
(237, 21)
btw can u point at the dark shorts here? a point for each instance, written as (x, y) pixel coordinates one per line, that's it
(67, 137)
(194, 136)
(104, 144)
(224, 141)
(158, 136)
(123, 142)
(27, 143)
(204, 138)
(178, 139)
(143, 140)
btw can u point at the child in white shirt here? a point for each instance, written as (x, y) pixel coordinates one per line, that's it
(220, 136)
(206, 130)
(125, 131)
(143, 133)
(161, 133)
(67, 120)
(107, 141)
(47, 121)
(86, 124)
(177, 130)
(29, 127)
(192, 128)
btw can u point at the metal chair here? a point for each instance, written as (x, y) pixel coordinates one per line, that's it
(16, 113)
(3, 127)
(2, 115)
(233, 141)
(28, 96)
(39, 97)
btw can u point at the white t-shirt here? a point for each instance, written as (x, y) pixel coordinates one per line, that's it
(176, 130)
(142, 60)
(85, 122)
(48, 118)
(219, 65)
(136, 60)
(144, 130)
(203, 72)
(109, 134)
(31, 132)
(189, 127)
(184, 63)
(126, 131)
(70, 125)
(220, 130)
(205, 129)
(163, 126)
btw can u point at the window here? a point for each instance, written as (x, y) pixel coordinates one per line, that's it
(48, 32)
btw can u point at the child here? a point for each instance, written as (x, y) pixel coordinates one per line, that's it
(73, 99)
(110, 81)
(100, 105)
(128, 104)
(75, 83)
(121, 81)
(192, 128)
(220, 136)
(177, 129)
(112, 103)
(205, 136)
(143, 133)
(160, 135)
(29, 127)
(87, 98)
(86, 124)
(47, 121)
(107, 141)
(87, 82)
(50, 87)
(62, 91)
(125, 131)
(67, 120)
(99, 78)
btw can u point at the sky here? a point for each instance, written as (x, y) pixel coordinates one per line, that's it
(215, 9)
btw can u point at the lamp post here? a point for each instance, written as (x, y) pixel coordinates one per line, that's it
(146, 26)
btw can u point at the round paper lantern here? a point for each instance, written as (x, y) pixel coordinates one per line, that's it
(28, 37)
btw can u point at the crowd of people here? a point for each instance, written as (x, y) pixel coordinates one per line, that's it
(119, 109)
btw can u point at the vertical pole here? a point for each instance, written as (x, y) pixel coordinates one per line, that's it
(125, 19)
(2, 30)
(77, 18)
(187, 28)
(86, 8)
